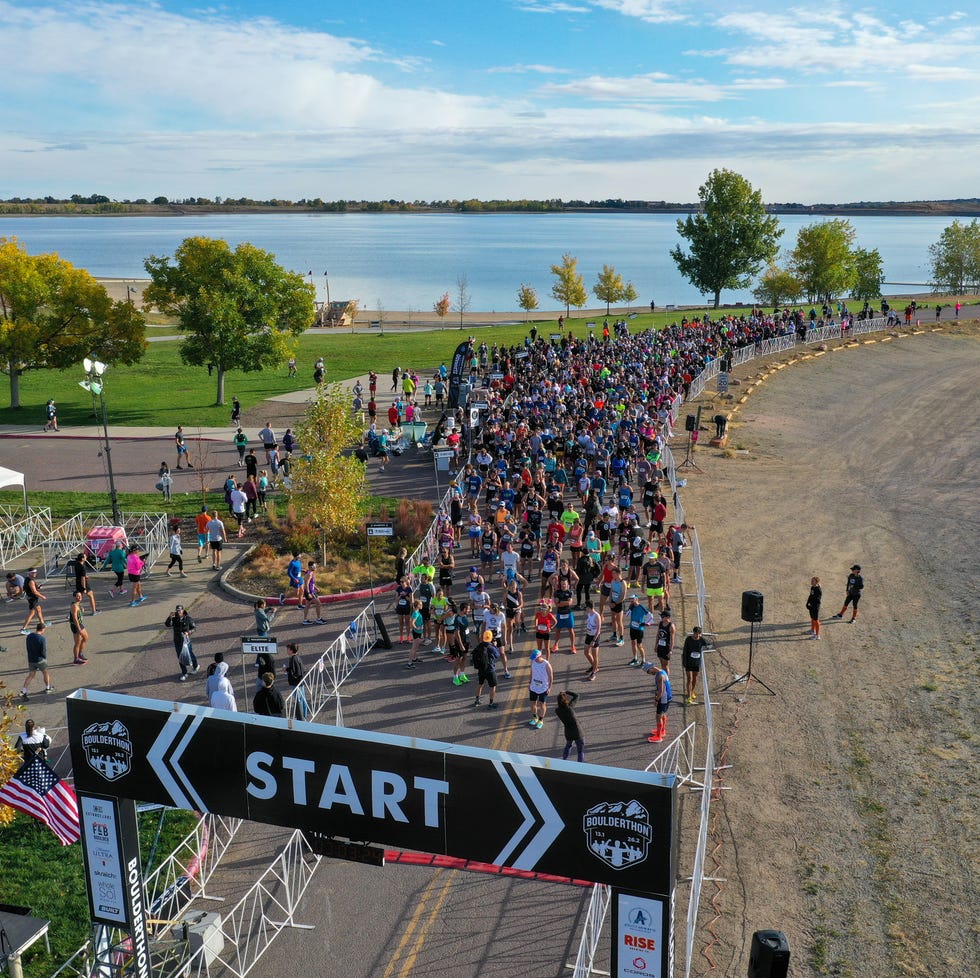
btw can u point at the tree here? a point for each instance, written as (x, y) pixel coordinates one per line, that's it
(869, 273)
(777, 286)
(442, 306)
(569, 287)
(462, 296)
(630, 295)
(955, 259)
(328, 481)
(730, 239)
(238, 308)
(609, 286)
(527, 298)
(823, 259)
(54, 315)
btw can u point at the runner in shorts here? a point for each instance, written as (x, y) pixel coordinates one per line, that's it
(691, 657)
(544, 621)
(593, 635)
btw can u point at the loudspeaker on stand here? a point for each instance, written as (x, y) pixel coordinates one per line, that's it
(752, 602)
(769, 957)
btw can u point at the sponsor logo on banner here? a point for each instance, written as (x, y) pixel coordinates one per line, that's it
(108, 749)
(618, 833)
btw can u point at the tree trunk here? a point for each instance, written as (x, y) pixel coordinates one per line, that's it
(717, 298)
(14, 383)
(221, 386)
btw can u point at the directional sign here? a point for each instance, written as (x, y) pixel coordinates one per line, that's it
(537, 814)
(723, 383)
(380, 529)
(443, 452)
(252, 645)
(474, 416)
(479, 406)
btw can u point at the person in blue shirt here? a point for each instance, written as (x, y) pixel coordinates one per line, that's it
(294, 575)
(637, 624)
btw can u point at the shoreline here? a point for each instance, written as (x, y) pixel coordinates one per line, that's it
(117, 288)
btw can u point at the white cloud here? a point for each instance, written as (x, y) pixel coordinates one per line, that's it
(528, 69)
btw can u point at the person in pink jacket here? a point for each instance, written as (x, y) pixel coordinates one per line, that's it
(134, 571)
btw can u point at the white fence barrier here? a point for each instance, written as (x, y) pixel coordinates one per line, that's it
(20, 533)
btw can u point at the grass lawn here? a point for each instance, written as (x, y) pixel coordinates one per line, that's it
(160, 390)
(49, 878)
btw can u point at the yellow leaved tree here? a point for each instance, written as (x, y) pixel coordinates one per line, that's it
(328, 480)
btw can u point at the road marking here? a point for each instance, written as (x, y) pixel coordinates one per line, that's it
(413, 923)
(434, 915)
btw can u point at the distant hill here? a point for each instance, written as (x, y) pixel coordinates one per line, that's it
(100, 205)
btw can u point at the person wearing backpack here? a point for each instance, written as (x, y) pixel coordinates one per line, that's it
(485, 655)
(662, 696)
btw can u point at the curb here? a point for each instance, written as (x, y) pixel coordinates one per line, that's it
(229, 588)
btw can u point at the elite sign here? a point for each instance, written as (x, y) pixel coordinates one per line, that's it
(589, 822)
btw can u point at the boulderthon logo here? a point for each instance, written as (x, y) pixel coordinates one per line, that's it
(618, 833)
(108, 749)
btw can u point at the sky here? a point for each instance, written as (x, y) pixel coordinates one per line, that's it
(573, 99)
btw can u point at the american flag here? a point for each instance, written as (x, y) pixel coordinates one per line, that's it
(37, 791)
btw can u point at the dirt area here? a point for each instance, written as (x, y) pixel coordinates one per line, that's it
(851, 819)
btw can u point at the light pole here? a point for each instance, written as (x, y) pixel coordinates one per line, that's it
(326, 283)
(93, 383)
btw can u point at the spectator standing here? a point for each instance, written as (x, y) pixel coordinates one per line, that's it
(33, 742)
(221, 695)
(268, 700)
(485, 655)
(76, 623)
(573, 732)
(165, 481)
(15, 586)
(201, 521)
(183, 625)
(813, 606)
(264, 617)
(37, 661)
(295, 676)
(853, 589)
(542, 676)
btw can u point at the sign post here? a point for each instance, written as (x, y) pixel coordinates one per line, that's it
(253, 645)
(375, 530)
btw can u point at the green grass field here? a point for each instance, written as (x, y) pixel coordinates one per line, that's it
(40, 873)
(160, 390)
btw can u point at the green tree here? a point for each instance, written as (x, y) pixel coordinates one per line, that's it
(777, 286)
(869, 273)
(630, 295)
(54, 315)
(527, 298)
(609, 286)
(823, 259)
(569, 287)
(328, 481)
(731, 238)
(239, 309)
(955, 259)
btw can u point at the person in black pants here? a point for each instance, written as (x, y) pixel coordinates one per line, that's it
(182, 625)
(573, 732)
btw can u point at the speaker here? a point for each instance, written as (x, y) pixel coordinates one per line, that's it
(752, 610)
(769, 957)
(690, 423)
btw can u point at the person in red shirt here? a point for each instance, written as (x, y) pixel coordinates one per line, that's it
(393, 415)
(544, 622)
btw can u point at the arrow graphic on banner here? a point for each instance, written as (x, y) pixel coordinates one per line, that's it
(551, 823)
(167, 766)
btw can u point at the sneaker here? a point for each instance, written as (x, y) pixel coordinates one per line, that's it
(539, 724)
(476, 702)
(654, 739)
(415, 661)
(694, 697)
(533, 722)
(133, 604)
(142, 599)
(306, 621)
(464, 677)
(25, 631)
(321, 621)
(491, 706)
(182, 574)
(632, 662)
(851, 621)
(197, 668)
(282, 595)
(182, 679)
(590, 678)
(123, 590)
(410, 665)
(112, 592)
(838, 617)
(80, 661)
(24, 696)
(457, 681)
(619, 642)
(49, 689)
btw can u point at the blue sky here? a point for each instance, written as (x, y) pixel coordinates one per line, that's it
(817, 102)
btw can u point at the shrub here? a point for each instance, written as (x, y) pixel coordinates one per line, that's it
(413, 518)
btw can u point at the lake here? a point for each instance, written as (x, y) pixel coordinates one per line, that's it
(406, 261)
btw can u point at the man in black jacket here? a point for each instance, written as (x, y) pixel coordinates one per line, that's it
(182, 625)
(268, 700)
(295, 672)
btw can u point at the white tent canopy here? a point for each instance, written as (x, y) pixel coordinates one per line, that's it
(10, 478)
